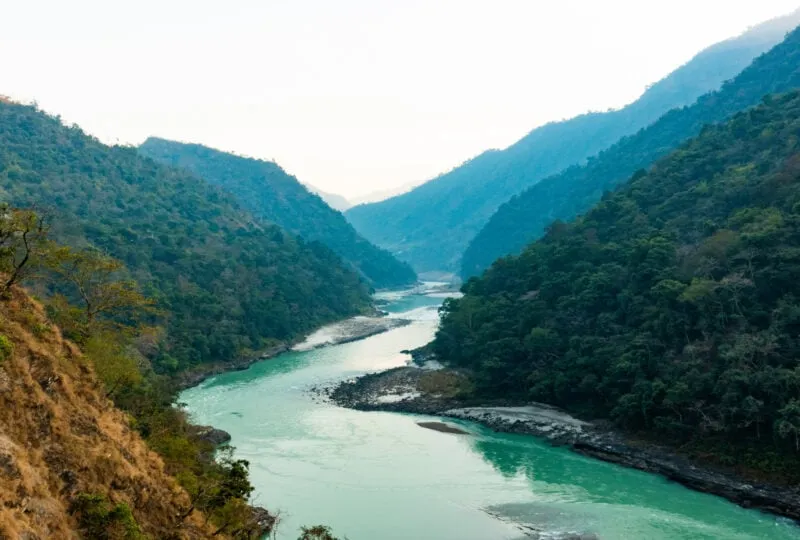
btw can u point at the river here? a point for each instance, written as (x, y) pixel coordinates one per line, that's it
(379, 476)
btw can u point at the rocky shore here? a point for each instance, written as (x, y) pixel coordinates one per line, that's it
(415, 390)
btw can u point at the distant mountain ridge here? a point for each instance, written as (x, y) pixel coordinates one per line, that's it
(560, 197)
(267, 191)
(334, 200)
(432, 225)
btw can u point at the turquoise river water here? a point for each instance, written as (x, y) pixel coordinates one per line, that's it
(379, 476)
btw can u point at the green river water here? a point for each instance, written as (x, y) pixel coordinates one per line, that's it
(379, 476)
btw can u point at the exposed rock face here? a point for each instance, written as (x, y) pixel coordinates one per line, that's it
(60, 437)
(592, 439)
(212, 435)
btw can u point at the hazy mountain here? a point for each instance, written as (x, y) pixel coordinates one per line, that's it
(525, 217)
(269, 192)
(337, 202)
(383, 194)
(431, 226)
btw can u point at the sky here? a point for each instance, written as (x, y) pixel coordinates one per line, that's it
(351, 96)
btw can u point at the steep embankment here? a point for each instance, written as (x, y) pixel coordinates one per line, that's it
(62, 443)
(431, 226)
(270, 193)
(563, 196)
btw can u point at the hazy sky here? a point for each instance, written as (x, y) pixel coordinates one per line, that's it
(352, 96)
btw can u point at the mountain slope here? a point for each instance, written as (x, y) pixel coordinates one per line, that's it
(268, 192)
(335, 201)
(227, 284)
(62, 443)
(431, 226)
(670, 307)
(562, 196)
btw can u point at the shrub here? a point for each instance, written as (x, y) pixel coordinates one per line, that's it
(6, 348)
(100, 519)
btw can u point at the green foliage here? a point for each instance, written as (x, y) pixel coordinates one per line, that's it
(115, 362)
(268, 192)
(23, 243)
(6, 348)
(672, 307)
(432, 225)
(565, 195)
(317, 532)
(217, 483)
(226, 281)
(99, 519)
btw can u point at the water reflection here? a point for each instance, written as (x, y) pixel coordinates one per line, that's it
(578, 494)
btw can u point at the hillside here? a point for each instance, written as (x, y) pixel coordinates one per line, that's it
(68, 458)
(431, 226)
(671, 307)
(268, 192)
(525, 217)
(226, 283)
(335, 201)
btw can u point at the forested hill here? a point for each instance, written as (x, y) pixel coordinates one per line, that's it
(431, 226)
(525, 217)
(270, 193)
(672, 306)
(225, 282)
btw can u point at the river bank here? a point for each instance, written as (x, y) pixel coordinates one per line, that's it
(346, 331)
(419, 391)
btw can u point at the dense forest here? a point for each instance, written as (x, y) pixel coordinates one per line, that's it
(432, 225)
(563, 196)
(270, 193)
(224, 283)
(671, 307)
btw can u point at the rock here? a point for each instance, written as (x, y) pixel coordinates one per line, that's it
(213, 435)
(262, 519)
(441, 426)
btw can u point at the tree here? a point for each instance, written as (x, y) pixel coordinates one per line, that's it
(23, 242)
(114, 362)
(107, 298)
(789, 422)
(317, 532)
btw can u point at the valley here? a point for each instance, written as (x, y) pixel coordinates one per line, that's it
(592, 333)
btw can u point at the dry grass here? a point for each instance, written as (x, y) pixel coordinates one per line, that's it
(60, 436)
(445, 384)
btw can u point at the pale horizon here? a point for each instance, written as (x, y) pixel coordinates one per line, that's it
(359, 97)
